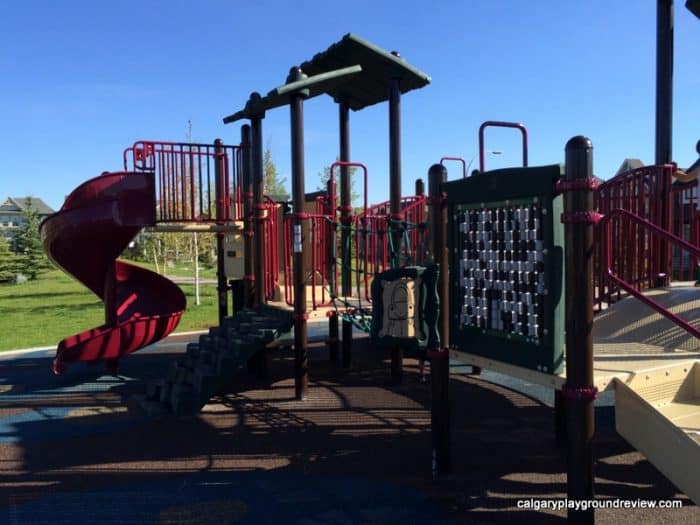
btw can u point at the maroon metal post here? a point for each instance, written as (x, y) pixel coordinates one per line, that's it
(440, 356)
(578, 392)
(248, 232)
(301, 356)
(346, 222)
(221, 203)
(396, 215)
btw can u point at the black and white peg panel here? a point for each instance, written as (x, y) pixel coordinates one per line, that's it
(502, 269)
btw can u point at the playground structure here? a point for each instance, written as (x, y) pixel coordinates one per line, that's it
(329, 257)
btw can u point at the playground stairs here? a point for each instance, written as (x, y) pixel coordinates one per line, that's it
(657, 407)
(658, 413)
(207, 366)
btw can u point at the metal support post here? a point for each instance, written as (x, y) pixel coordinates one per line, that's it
(345, 221)
(440, 355)
(259, 213)
(248, 232)
(333, 339)
(396, 215)
(664, 112)
(559, 419)
(301, 357)
(221, 217)
(578, 392)
(664, 81)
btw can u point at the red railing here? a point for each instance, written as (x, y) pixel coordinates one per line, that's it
(369, 246)
(185, 176)
(643, 259)
(686, 225)
(499, 124)
(271, 247)
(457, 159)
(606, 230)
(323, 241)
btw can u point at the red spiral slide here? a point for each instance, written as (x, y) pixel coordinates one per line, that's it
(84, 238)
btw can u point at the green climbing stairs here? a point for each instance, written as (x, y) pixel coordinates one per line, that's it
(207, 366)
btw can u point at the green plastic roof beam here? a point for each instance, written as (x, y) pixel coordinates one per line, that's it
(311, 86)
(378, 67)
(308, 87)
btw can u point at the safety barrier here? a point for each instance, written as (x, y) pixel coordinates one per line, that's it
(271, 247)
(185, 176)
(685, 225)
(369, 246)
(643, 259)
(613, 221)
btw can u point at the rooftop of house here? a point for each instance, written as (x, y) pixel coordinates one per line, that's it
(629, 164)
(19, 204)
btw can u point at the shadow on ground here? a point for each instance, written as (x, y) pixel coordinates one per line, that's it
(358, 450)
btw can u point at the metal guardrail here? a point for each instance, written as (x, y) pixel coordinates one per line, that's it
(685, 223)
(606, 230)
(185, 177)
(644, 260)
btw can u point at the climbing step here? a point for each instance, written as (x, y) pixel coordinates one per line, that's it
(206, 366)
(658, 412)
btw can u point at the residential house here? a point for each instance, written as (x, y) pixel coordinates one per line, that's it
(12, 217)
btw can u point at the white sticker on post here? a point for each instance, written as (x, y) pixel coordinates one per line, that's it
(297, 238)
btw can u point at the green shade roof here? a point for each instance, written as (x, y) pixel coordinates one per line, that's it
(309, 87)
(378, 67)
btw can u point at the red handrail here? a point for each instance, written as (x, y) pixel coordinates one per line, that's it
(341, 163)
(499, 124)
(606, 236)
(457, 159)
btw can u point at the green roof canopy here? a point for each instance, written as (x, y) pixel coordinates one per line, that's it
(378, 67)
(309, 87)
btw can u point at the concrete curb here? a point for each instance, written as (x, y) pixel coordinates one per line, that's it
(21, 351)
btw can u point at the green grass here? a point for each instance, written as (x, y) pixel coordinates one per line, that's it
(54, 306)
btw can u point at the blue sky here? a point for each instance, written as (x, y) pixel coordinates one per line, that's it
(81, 80)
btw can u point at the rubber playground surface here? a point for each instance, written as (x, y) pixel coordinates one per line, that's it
(358, 451)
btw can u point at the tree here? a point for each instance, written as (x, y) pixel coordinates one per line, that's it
(27, 244)
(273, 185)
(8, 261)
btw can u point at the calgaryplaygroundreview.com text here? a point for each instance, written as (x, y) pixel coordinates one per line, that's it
(586, 504)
